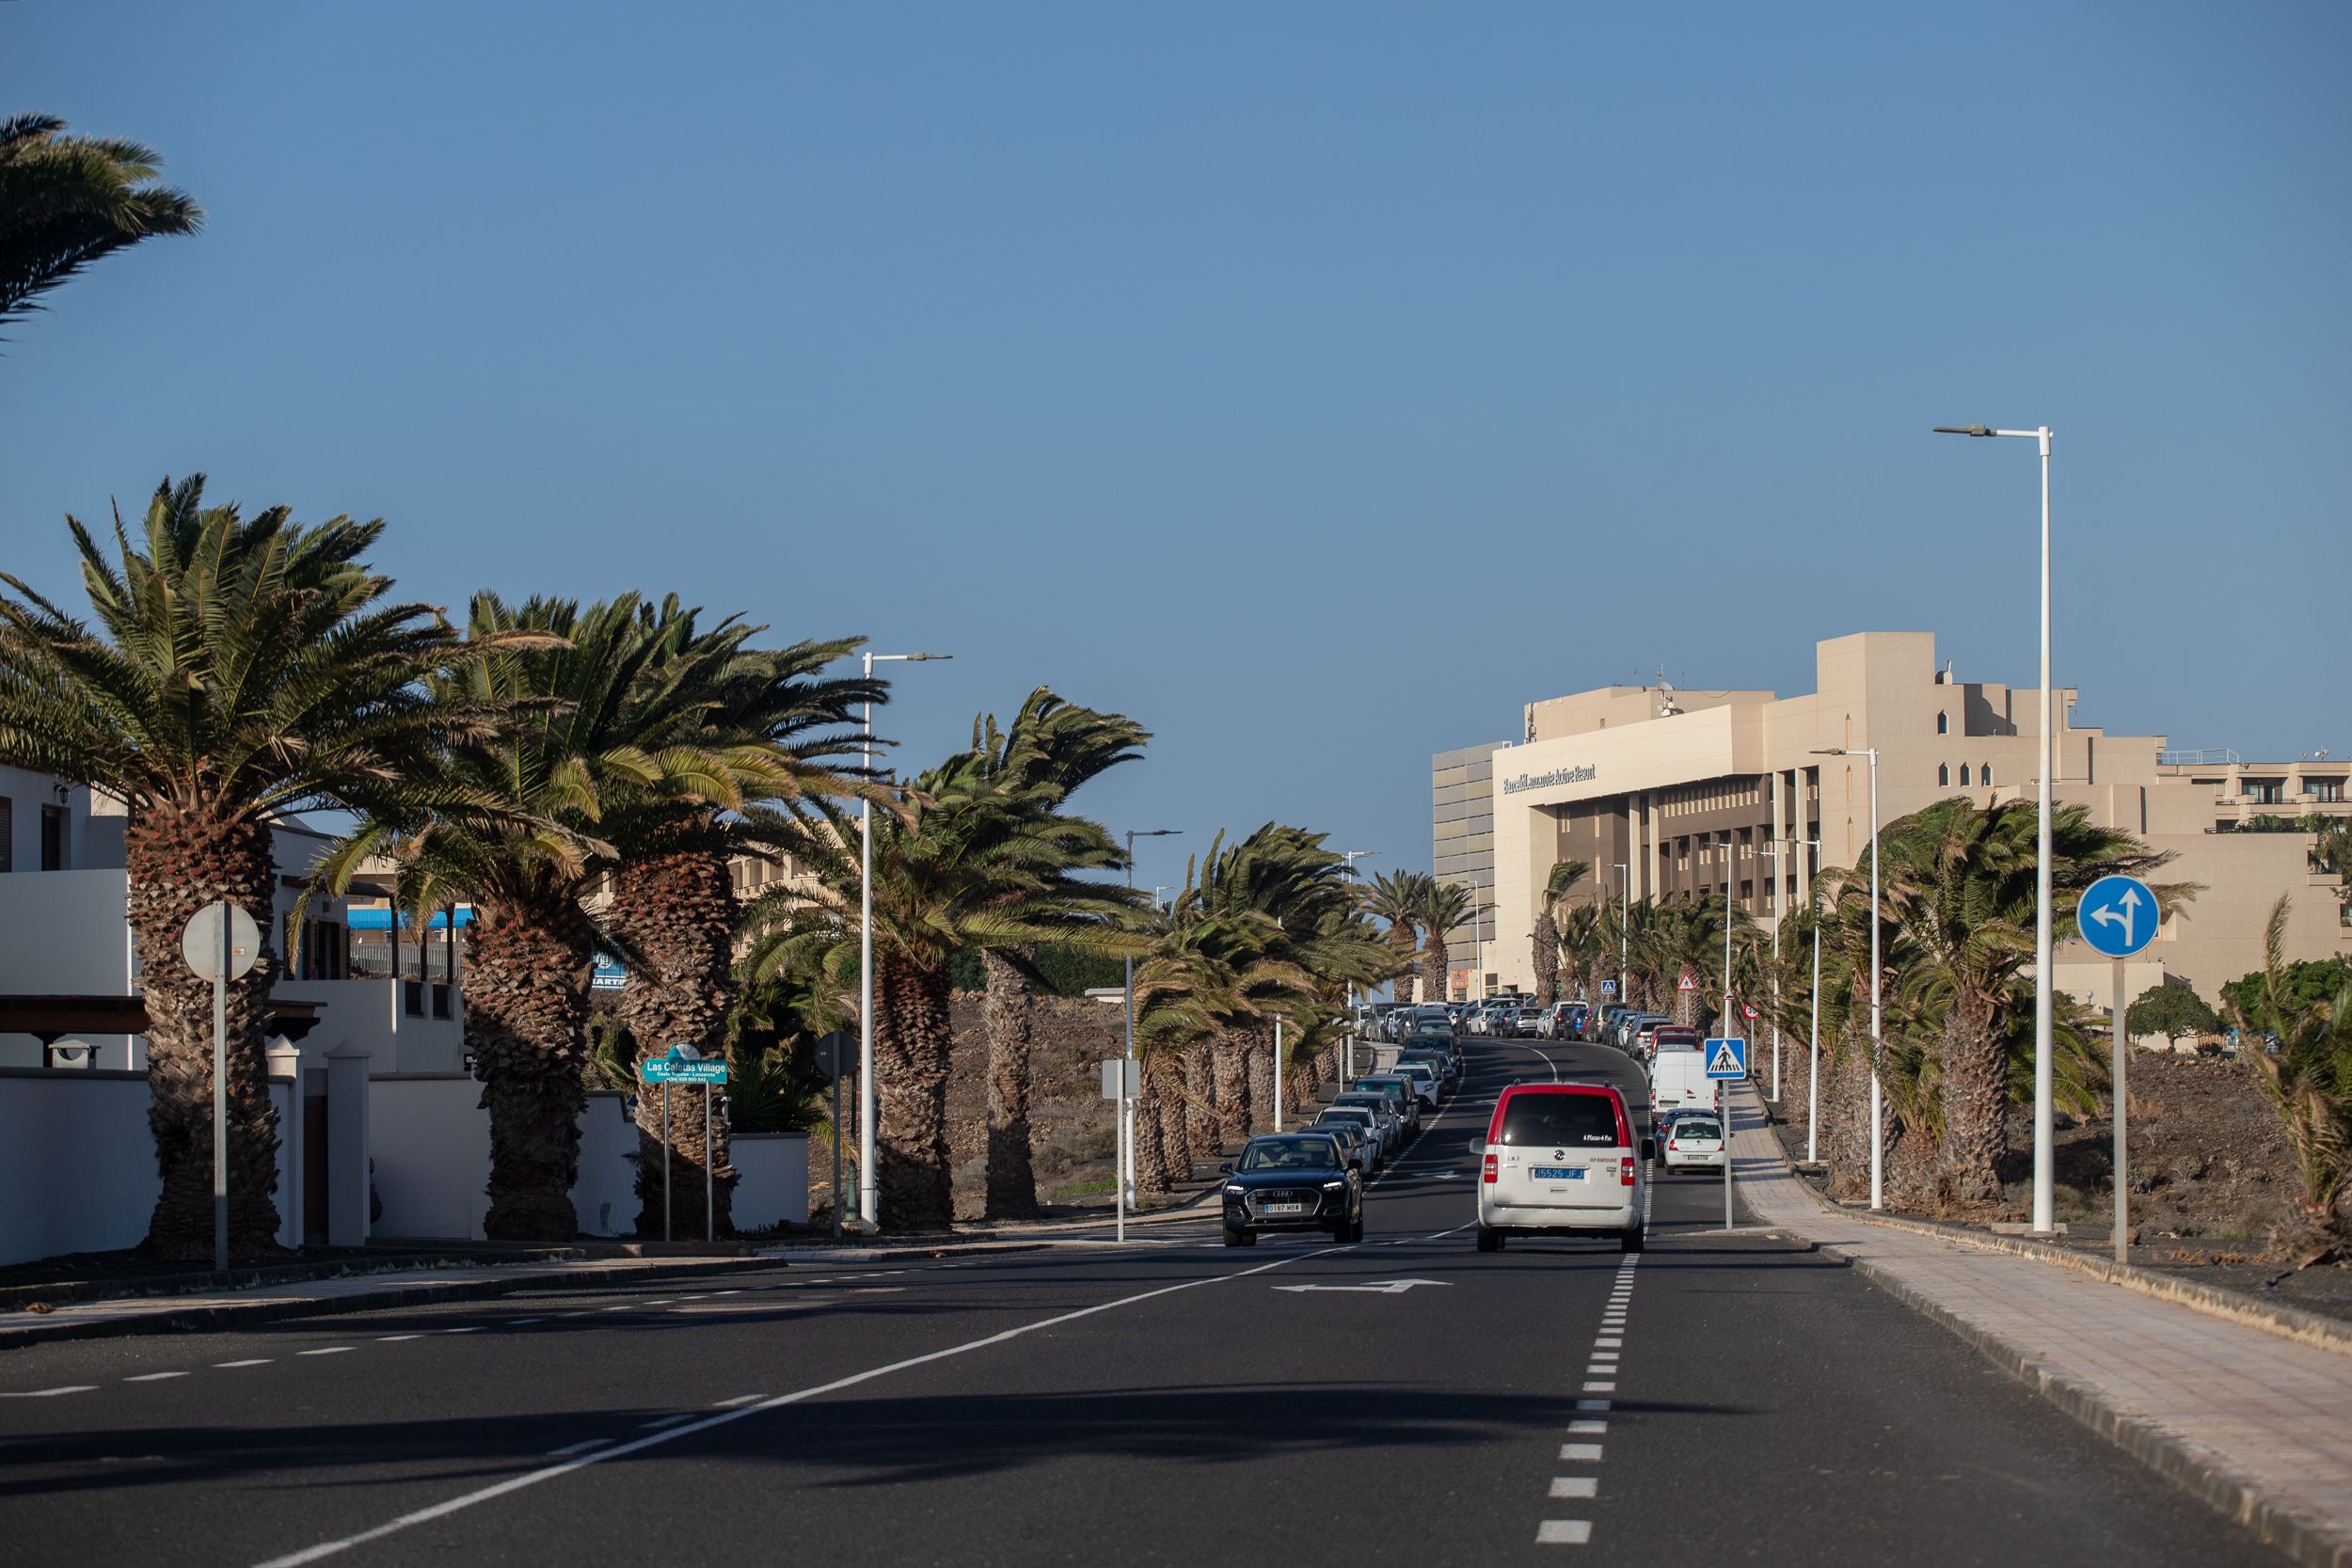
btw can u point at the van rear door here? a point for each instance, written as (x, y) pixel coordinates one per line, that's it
(1560, 1149)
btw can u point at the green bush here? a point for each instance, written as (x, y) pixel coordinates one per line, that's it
(2309, 982)
(2170, 1010)
(1065, 973)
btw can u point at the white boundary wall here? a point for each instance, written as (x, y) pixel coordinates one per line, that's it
(774, 1183)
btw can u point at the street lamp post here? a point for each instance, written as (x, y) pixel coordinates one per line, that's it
(1878, 1039)
(1625, 924)
(1813, 1072)
(2044, 1120)
(1773, 849)
(1126, 1149)
(868, 1176)
(1347, 1048)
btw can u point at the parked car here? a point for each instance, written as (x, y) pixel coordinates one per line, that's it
(1403, 1097)
(1447, 1066)
(1426, 1081)
(1674, 1036)
(1354, 1137)
(1388, 1123)
(1561, 1159)
(1292, 1181)
(1527, 1023)
(1696, 1140)
(1368, 1123)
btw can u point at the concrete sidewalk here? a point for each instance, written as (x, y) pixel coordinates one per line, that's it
(2257, 1425)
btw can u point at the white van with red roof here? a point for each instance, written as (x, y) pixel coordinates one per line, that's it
(1560, 1160)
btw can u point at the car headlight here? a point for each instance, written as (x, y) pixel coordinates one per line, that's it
(1333, 1186)
(1235, 1192)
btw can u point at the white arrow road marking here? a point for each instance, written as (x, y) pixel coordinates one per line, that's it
(1381, 1287)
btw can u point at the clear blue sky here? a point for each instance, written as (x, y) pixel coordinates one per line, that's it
(1316, 383)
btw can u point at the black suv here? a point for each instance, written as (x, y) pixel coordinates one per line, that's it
(1293, 1181)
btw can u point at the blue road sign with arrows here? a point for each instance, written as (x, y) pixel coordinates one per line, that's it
(1726, 1059)
(2118, 915)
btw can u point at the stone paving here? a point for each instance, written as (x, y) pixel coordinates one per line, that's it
(2258, 1424)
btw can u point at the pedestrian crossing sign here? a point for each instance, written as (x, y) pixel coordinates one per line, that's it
(1726, 1059)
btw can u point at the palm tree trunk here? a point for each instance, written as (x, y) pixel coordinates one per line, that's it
(526, 1016)
(1976, 1102)
(1201, 1132)
(1545, 942)
(1846, 1125)
(1012, 1179)
(1228, 1070)
(1175, 1125)
(177, 864)
(1258, 1053)
(1401, 942)
(678, 911)
(1434, 959)
(1153, 1167)
(913, 1046)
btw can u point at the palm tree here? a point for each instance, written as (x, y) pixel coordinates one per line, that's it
(2307, 1072)
(976, 860)
(1052, 748)
(1397, 898)
(1545, 938)
(1443, 905)
(66, 201)
(240, 670)
(783, 729)
(599, 734)
(1960, 885)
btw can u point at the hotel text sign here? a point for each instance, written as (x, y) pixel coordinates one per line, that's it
(1545, 781)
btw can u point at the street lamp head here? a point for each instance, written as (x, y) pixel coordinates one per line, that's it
(1829, 750)
(1153, 833)
(1963, 430)
(920, 658)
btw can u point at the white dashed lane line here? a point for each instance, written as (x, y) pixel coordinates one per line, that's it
(154, 1377)
(1584, 1448)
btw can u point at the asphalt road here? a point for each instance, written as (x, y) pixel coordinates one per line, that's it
(1722, 1399)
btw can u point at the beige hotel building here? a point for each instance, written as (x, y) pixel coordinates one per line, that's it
(1667, 791)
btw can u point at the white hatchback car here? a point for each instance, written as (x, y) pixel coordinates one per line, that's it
(1561, 1159)
(1696, 1140)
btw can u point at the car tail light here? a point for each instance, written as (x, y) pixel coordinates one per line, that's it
(1673, 1143)
(1625, 1169)
(1490, 1173)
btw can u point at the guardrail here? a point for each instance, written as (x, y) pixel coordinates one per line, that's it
(2209, 756)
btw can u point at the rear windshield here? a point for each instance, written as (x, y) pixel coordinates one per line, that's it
(1586, 1120)
(1691, 1127)
(1367, 1102)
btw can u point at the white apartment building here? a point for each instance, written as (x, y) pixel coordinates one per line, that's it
(1666, 791)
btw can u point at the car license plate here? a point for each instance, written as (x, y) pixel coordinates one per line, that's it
(1559, 1172)
(1285, 1207)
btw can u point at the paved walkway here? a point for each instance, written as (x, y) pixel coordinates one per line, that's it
(2259, 1425)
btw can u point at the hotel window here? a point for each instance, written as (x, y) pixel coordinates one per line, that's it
(1964, 775)
(2325, 789)
(1943, 724)
(1944, 773)
(1984, 774)
(2264, 792)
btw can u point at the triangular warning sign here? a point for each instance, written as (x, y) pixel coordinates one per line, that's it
(1688, 982)
(1726, 1059)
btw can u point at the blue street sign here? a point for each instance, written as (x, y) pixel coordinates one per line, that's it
(1609, 988)
(678, 1068)
(1726, 1059)
(2118, 915)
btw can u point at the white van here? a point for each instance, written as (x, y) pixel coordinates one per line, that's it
(1678, 1081)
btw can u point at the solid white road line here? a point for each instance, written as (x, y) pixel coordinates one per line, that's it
(740, 1399)
(1563, 1532)
(666, 1422)
(571, 1449)
(394, 1339)
(469, 1328)
(51, 1393)
(250, 1361)
(326, 1350)
(154, 1377)
(517, 1322)
(1575, 1486)
(533, 1477)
